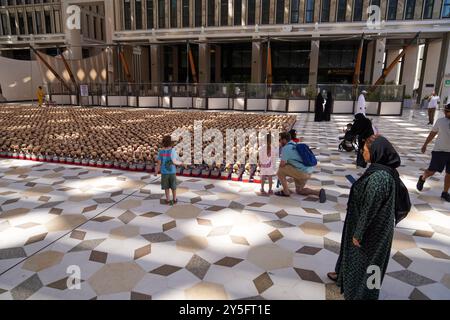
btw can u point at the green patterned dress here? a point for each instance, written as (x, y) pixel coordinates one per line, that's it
(370, 219)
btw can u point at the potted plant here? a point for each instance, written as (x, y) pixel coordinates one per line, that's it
(407, 102)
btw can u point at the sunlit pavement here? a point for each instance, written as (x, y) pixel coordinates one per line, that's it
(222, 241)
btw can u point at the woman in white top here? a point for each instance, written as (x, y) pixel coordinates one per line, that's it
(432, 105)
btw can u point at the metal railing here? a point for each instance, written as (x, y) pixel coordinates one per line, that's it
(340, 92)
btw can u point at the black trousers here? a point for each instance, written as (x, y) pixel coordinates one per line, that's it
(360, 162)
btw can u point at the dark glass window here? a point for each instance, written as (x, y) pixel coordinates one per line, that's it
(265, 11)
(39, 22)
(325, 17)
(428, 9)
(30, 22)
(173, 13)
(127, 14)
(211, 13)
(357, 10)
(341, 10)
(294, 11)
(309, 12)
(12, 23)
(392, 10)
(21, 24)
(185, 13)
(150, 24)
(279, 16)
(198, 13)
(251, 12)
(446, 9)
(375, 2)
(138, 14)
(409, 9)
(161, 14)
(237, 12)
(223, 12)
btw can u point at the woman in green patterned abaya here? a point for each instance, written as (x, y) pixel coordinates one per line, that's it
(369, 224)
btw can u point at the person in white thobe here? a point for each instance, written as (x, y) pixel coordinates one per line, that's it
(361, 108)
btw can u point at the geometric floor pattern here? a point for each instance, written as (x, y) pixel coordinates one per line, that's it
(223, 240)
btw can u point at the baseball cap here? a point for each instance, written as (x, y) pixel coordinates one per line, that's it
(364, 91)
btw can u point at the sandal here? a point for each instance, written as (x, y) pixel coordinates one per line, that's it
(175, 201)
(332, 276)
(281, 194)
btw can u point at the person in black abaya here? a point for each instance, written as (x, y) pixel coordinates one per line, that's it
(363, 129)
(319, 108)
(328, 107)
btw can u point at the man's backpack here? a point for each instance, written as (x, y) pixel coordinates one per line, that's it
(308, 157)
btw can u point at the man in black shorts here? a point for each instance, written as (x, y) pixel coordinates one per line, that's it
(440, 157)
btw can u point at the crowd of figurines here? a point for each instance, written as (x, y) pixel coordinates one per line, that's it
(126, 139)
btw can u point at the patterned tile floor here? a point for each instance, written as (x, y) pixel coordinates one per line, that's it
(223, 241)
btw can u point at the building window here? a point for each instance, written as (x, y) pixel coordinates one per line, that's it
(428, 9)
(375, 3)
(392, 10)
(309, 11)
(4, 23)
(161, 14)
(127, 14)
(294, 11)
(223, 12)
(198, 13)
(251, 12)
(446, 9)
(325, 11)
(30, 22)
(138, 14)
(185, 13)
(279, 16)
(409, 9)
(12, 22)
(95, 27)
(173, 13)
(211, 12)
(39, 22)
(48, 22)
(265, 11)
(237, 12)
(21, 23)
(357, 10)
(341, 10)
(150, 14)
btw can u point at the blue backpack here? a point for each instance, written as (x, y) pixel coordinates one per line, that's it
(308, 157)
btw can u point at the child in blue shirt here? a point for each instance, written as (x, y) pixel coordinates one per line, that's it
(167, 159)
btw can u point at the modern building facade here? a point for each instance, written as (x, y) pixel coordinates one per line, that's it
(310, 41)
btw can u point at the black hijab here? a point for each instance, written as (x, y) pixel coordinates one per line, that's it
(383, 156)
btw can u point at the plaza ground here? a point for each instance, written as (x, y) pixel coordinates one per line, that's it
(222, 241)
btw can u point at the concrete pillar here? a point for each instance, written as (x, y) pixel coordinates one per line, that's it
(204, 57)
(156, 59)
(431, 68)
(379, 49)
(314, 62)
(73, 36)
(257, 72)
(410, 69)
(109, 21)
(369, 62)
(395, 73)
(444, 70)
